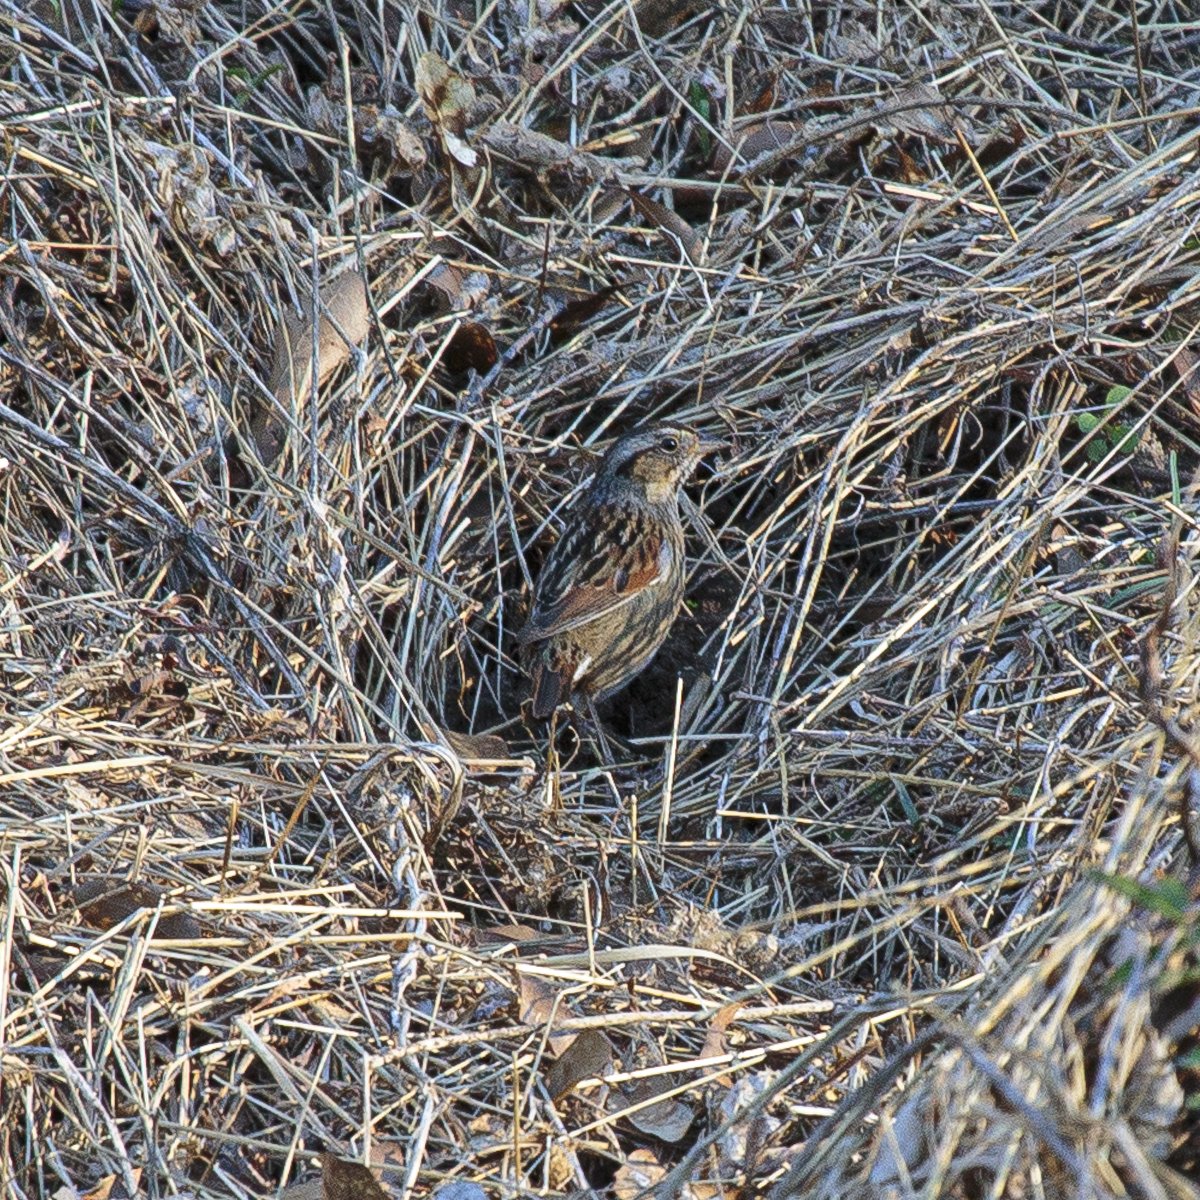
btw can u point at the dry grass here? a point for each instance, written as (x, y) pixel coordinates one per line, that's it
(888, 894)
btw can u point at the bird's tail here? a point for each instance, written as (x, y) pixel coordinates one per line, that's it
(547, 690)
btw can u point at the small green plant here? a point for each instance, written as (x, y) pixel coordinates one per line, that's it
(1168, 897)
(1116, 435)
(250, 81)
(701, 105)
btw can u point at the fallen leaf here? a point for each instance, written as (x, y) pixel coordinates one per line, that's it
(342, 1179)
(385, 134)
(477, 747)
(452, 289)
(389, 1161)
(189, 198)
(111, 1187)
(656, 17)
(668, 1120)
(753, 140)
(448, 98)
(671, 223)
(344, 322)
(741, 1142)
(587, 1057)
(106, 902)
(446, 284)
(471, 347)
(1186, 364)
(491, 934)
(637, 1175)
(576, 313)
(457, 148)
(539, 1004)
(920, 111)
(714, 1039)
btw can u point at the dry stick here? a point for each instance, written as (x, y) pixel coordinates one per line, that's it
(155, 513)
(1144, 104)
(1150, 680)
(965, 146)
(674, 1183)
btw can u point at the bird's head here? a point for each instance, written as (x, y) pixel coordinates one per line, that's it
(657, 460)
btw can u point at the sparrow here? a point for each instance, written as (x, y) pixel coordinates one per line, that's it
(613, 583)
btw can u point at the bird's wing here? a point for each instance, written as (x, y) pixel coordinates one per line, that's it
(599, 565)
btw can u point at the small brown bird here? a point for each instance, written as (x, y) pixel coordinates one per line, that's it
(613, 584)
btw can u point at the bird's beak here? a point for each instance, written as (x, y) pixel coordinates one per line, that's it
(711, 446)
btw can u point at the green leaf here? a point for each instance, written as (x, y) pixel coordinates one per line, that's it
(1176, 891)
(701, 105)
(1168, 897)
(1097, 450)
(906, 803)
(1085, 422)
(1190, 1059)
(1117, 394)
(1122, 974)
(1128, 444)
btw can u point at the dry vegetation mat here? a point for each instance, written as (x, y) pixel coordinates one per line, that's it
(311, 318)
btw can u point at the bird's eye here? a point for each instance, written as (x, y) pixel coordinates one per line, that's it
(670, 444)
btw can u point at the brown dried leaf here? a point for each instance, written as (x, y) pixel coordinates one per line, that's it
(576, 313)
(389, 1162)
(451, 288)
(446, 283)
(458, 149)
(111, 1187)
(471, 347)
(765, 100)
(104, 903)
(1186, 363)
(345, 322)
(384, 133)
(448, 98)
(637, 1175)
(671, 223)
(922, 114)
(656, 17)
(342, 1179)
(477, 747)
(668, 1120)
(854, 43)
(587, 1057)
(741, 1142)
(491, 934)
(714, 1040)
(539, 1005)
(753, 140)
(181, 176)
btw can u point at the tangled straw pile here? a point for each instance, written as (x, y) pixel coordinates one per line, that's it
(886, 897)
